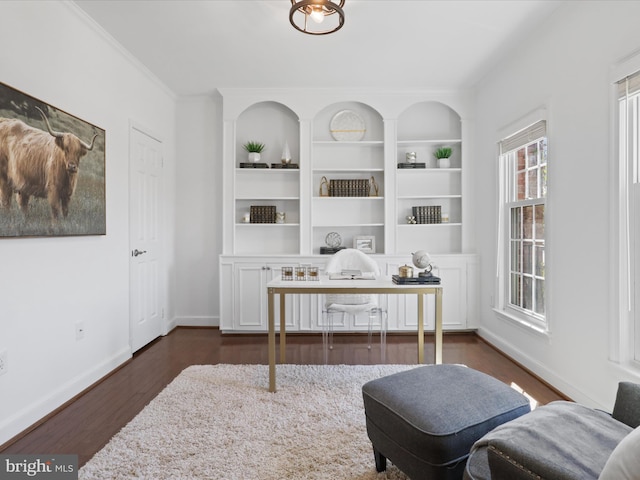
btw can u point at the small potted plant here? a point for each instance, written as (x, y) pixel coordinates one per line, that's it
(442, 154)
(254, 148)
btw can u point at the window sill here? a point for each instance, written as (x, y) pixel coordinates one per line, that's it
(521, 322)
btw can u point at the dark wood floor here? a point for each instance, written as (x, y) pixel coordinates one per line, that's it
(85, 425)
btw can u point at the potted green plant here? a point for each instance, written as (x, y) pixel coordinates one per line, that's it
(442, 154)
(254, 148)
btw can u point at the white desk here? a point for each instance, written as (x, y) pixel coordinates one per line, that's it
(382, 285)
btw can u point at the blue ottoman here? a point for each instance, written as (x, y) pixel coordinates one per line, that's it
(425, 420)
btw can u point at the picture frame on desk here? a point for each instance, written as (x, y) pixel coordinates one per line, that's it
(365, 243)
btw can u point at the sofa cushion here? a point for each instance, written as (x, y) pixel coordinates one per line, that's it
(627, 406)
(624, 462)
(561, 440)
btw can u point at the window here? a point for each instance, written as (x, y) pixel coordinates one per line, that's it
(523, 169)
(629, 164)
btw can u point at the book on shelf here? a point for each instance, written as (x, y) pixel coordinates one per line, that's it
(427, 214)
(412, 165)
(349, 188)
(262, 214)
(253, 165)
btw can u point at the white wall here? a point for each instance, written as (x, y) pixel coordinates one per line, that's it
(199, 210)
(51, 51)
(565, 67)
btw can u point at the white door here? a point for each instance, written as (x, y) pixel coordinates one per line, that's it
(145, 227)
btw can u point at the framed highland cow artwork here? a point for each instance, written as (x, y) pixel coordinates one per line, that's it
(52, 170)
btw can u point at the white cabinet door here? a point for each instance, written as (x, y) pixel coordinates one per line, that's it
(250, 298)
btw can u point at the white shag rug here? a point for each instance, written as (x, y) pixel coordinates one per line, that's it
(220, 422)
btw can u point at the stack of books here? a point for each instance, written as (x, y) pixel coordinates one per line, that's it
(349, 188)
(253, 165)
(262, 214)
(427, 214)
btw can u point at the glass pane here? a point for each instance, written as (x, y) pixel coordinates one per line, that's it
(539, 209)
(539, 308)
(543, 182)
(515, 222)
(533, 184)
(522, 162)
(527, 293)
(515, 266)
(543, 150)
(515, 289)
(521, 187)
(539, 259)
(532, 154)
(527, 222)
(527, 257)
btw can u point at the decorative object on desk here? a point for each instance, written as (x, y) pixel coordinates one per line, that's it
(405, 271)
(280, 217)
(286, 154)
(313, 274)
(429, 280)
(411, 157)
(422, 259)
(262, 214)
(411, 220)
(442, 155)
(287, 273)
(333, 239)
(301, 273)
(255, 149)
(324, 183)
(365, 243)
(347, 125)
(427, 214)
(374, 188)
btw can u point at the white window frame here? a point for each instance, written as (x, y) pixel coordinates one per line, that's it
(624, 324)
(531, 321)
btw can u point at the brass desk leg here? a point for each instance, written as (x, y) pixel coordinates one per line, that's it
(283, 333)
(272, 343)
(438, 346)
(420, 328)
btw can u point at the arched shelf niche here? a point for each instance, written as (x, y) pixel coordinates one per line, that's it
(271, 123)
(426, 126)
(372, 119)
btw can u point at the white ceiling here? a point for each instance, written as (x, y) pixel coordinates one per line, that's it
(197, 46)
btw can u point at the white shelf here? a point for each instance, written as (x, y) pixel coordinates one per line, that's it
(267, 198)
(429, 225)
(270, 225)
(429, 142)
(346, 170)
(426, 197)
(428, 170)
(346, 143)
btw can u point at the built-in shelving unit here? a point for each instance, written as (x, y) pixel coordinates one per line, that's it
(394, 123)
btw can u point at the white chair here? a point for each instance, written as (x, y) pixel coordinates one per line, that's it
(352, 304)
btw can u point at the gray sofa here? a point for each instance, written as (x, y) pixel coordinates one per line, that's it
(563, 440)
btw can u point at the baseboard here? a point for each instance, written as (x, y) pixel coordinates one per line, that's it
(34, 414)
(197, 321)
(542, 372)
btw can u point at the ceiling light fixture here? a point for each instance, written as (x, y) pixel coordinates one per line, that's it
(321, 12)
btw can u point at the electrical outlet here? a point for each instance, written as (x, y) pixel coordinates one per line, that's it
(79, 330)
(4, 366)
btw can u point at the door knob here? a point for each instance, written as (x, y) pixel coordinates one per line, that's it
(137, 252)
